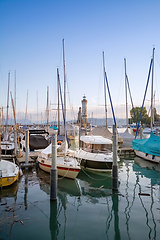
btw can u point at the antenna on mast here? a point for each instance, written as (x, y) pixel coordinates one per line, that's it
(26, 108)
(37, 107)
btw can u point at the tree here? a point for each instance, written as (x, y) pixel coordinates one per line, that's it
(145, 119)
(156, 116)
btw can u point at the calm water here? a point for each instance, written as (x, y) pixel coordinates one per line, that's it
(85, 208)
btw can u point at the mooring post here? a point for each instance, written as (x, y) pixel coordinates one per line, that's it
(27, 147)
(115, 164)
(53, 177)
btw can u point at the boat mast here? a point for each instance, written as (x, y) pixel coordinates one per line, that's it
(37, 108)
(47, 110)
(64, 96)
(152, 92)
(126, 92)
(8, 101)
(6, 130)
(15, 91)
(58, 101)
(105, 89)
(15, 132)
(26, 108)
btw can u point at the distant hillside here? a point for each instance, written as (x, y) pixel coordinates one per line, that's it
(92, 121)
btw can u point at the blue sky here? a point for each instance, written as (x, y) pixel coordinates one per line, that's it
(31, 43)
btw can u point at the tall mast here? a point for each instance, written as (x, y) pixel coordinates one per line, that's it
(47, 105)
(154, 104)
(152, 92)
(126, 92)
(15, 132)
(37, 108)
(58, 100)
(2, 118)
(26, 108)
(8, 100)
(105, 89)
(64, 94)
(15, 92)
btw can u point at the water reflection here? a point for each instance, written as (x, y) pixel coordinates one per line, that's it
(9, 192)
(88, 209)
(150, 171)
(115, 205)
(147, 169)
(26, 191)
(53, 224)
(95, 186)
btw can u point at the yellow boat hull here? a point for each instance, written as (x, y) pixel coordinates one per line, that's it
(9, 173)
(7, 181)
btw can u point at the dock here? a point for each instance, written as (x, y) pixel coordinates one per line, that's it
(21, 161)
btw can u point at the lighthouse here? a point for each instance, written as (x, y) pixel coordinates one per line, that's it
(84, 111)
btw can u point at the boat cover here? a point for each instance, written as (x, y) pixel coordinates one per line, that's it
(47, 152)
(37, 142)
(149, 145)
(95, 140)
(104, 132)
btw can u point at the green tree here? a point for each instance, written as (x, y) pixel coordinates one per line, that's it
(156, 116)
(135, 114)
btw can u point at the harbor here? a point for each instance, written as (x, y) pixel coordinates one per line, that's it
(79, 120)
(86, 208)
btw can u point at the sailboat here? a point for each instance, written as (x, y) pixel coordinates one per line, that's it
(149, 148)
(9, 171)
(7, 147)
(67, 165)
(127, 137)
(104, 131)
(96, 153)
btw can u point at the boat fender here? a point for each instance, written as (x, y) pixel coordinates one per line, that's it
(20, 172)
(59, 143)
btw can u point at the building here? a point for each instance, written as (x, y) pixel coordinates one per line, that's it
(84, 111)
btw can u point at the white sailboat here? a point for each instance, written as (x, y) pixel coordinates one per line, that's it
(126, 136)
(67, 165)
(7, 147)
(96, 153)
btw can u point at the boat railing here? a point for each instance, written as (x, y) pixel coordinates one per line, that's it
(104, 151)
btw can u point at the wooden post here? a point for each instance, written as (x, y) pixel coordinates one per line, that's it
(53, 176)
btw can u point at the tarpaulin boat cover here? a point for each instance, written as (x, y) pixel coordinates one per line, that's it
(104, 132)
(37, 142)
(149, 145)
(95, 140)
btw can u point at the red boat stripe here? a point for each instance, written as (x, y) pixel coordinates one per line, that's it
(62, 168)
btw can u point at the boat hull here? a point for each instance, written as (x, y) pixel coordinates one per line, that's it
(7, 181)
(148, 157)
(96, 166)
(10, 173)
(64, 171)
(98, 162)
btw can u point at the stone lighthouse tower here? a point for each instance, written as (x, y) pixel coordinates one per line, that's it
(84, 111)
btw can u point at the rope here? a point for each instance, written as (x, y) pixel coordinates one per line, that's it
(92, 177)
(64, 175)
